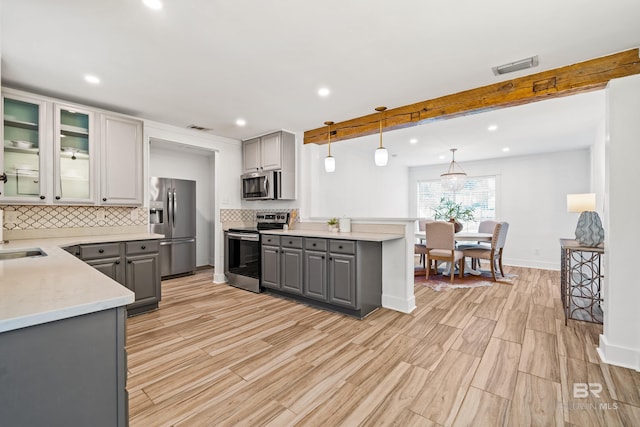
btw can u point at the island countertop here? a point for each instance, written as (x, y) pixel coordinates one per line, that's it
(57, 286)
(369, 237)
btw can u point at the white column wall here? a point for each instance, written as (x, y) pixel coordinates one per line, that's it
(620, 341)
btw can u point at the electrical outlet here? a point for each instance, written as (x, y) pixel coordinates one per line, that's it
(100, 215)
(10, 217)
(134, 214)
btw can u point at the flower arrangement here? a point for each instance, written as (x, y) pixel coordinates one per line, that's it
(449, 209)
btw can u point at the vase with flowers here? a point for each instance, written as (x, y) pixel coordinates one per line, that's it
(451, 211)
(333, 224)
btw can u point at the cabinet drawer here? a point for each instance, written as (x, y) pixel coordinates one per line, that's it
(342, 246)
(315, 244)
(101, 250)
(291, 242)
(270, 240)
(143, 247)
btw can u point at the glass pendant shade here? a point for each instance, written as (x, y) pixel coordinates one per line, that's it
(382, 156)
(454, 178)
(330, 164)
(329, 161)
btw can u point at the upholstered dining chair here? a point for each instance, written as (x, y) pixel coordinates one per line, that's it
(421, 248)
(441, 246)
(493, 253)
(484, 227)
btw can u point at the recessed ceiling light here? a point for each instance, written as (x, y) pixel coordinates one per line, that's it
(241, 122)
(413, 141)
(506, 149)
(153, 4)
(492, 128)
(324, 92)
(92, 79)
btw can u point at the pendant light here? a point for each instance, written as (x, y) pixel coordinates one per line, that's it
(453, 179)
(329, 161)
(382, 155)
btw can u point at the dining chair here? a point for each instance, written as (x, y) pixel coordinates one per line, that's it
(441, 246)
(493, 253)
(420, 248)
(484, 227)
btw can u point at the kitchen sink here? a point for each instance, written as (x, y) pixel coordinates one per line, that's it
(21, 253)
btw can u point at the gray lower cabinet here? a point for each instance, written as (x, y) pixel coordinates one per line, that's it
(133, 264)
(70, 372)
(344, 275)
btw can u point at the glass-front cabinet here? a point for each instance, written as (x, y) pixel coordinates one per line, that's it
(24, 154)
(73, 154)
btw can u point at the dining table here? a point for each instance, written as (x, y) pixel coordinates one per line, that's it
(463, 236)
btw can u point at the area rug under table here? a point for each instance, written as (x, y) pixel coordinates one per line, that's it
(439, 282)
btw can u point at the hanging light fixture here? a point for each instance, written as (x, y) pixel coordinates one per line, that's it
(382, 155)
(329, 161)
(453, 179)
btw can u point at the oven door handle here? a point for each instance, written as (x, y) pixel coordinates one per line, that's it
(244, 236)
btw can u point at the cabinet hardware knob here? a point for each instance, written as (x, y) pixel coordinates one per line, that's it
(314, 245)
(42, 197)
(129, 262)
(57, 197)
(340, 247)
(77, 253)
(117, 262)
(101, 251)
(290, 242)
(104, 199)
(322, 257)
(143, 247)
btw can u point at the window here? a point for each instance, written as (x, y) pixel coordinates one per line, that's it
(479, 193)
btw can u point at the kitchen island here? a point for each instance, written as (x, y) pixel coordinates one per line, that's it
(62, 336)
(337, 271)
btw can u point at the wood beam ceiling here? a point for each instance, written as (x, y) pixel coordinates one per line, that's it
(572, 79)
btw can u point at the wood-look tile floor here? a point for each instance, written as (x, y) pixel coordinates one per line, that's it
(215, 355)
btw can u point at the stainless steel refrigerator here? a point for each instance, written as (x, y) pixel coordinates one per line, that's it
(172, 212)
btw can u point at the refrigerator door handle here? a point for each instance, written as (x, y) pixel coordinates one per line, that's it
(169, 206)
(175, 206)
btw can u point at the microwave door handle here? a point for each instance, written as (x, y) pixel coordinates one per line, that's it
(266, 186)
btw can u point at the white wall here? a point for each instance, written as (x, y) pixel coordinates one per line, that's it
(357, 189)
(531, 196)
(227, 160)
(184, 163)
(620, 341)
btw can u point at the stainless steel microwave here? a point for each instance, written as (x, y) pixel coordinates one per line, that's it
(261, 185)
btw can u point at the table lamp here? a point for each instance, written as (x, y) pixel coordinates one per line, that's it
(589, 231)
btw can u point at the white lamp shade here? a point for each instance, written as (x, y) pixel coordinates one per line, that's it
(584, 202)
(329, 163)
(382, 156)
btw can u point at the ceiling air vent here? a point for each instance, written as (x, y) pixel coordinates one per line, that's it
(200, 128)
(522, 64)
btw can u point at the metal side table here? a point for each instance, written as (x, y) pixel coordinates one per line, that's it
(581, 281)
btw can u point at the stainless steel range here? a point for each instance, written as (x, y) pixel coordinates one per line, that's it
(242, 250)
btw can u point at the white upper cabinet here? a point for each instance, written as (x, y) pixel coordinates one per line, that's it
(251, 161)
(271, 151)
(74, 155)
(59, 153)
(24, 165)
(121, 161)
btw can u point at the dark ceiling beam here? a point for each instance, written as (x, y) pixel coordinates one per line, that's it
(577, 78)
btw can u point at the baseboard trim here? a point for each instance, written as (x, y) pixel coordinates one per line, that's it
(619, 356)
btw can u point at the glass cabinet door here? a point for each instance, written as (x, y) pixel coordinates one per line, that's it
(73, 168)
(23, 156)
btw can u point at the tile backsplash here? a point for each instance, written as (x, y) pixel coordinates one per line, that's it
(54, 217)
(247, 215)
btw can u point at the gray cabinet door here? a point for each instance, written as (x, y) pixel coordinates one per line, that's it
(315, 275)
(270, 267)
(271, 151)
(291, 272)
(111, 267)
(342, 280)
(251, 161)
(143, 279)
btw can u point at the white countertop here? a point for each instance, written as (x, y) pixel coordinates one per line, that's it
(59, 285)
(369, 237)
